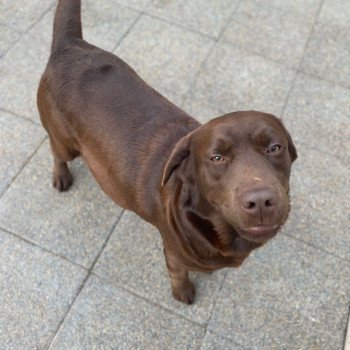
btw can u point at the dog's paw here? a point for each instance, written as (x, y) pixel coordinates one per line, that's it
(62, 182)
(185, 295)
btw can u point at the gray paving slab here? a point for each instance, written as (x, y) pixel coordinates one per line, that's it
(107, 317)
(317, 115)
(139, 5)
(276, 31)
(328, 53)
(21, 16)
(134, 259)
(174, 55)
(207, 17)
(234, 80)
(37, 290)
(306, 9)
(214, 342)
(19, 139)
(21, 68)
(287, 296)
(8, 37)
(320, 201)
(74, 224)
(106, 22)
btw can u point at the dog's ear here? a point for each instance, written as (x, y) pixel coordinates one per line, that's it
(179, 153)
(291, 148)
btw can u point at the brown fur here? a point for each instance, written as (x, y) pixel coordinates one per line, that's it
(153, 158)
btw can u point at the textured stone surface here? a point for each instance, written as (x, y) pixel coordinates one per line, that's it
(174, 55)
(318, 116)
(74, 224)
(21, 68)
(282, 298)
(207, 17)
(321, 207)
(8, 37)
(306, 9)
(106, 22)
(24, 16)
(105, 316)
(136, 4)
(276, 32)
(215, 342)
(19, 139)
(233, 80)
(37, 290)
(134, 259)
(328, 53)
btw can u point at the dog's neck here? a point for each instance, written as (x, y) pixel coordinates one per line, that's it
(206, 226)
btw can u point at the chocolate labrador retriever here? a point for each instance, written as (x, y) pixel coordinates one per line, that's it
(215, 191)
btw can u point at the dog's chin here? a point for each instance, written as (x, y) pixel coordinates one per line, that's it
(259, 234)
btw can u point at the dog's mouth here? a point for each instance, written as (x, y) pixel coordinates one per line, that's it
(260, 233)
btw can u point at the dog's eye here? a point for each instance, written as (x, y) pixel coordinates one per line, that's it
(274, 148)
(217, 158)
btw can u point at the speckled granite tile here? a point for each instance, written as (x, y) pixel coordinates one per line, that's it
(19, 139)
(318, 115)
(37, 290)
(106, 317)
(74, 224)
(174, 55)
(279, 33)
(234, 80)
(207, 17)
(287, 296)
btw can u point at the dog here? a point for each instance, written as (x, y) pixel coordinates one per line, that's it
(214, 191)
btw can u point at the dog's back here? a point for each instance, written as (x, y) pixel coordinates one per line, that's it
(93, 104)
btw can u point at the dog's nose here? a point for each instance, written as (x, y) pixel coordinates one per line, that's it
(259, 202)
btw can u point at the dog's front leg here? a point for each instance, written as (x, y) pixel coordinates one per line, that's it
(182, 288)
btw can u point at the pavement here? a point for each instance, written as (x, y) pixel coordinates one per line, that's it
(77, 272)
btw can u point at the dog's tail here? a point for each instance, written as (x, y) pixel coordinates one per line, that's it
(67, 24)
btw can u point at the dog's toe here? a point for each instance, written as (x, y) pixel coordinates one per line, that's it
(62, 182)
(186, 295)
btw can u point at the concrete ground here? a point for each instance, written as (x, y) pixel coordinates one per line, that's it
(76, 272)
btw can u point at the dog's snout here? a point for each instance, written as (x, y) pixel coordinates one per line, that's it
(259, 201)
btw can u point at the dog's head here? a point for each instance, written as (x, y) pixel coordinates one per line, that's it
(240, 164)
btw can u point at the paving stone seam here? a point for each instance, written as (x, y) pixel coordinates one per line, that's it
(213, 307)
(89, 272)
(322, 152)
(131, 7)
(45, 250)
(25, 32)
(127, 32)
(146, 14)
(229, 20)
(23, 166)
(320, 249)
(195, 78)
(314, 76)
(20, 116)
(303, 55)
(149, 301)
(223, 338)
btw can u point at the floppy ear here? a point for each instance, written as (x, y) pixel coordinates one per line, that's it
(291, 148)
(179, 153)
